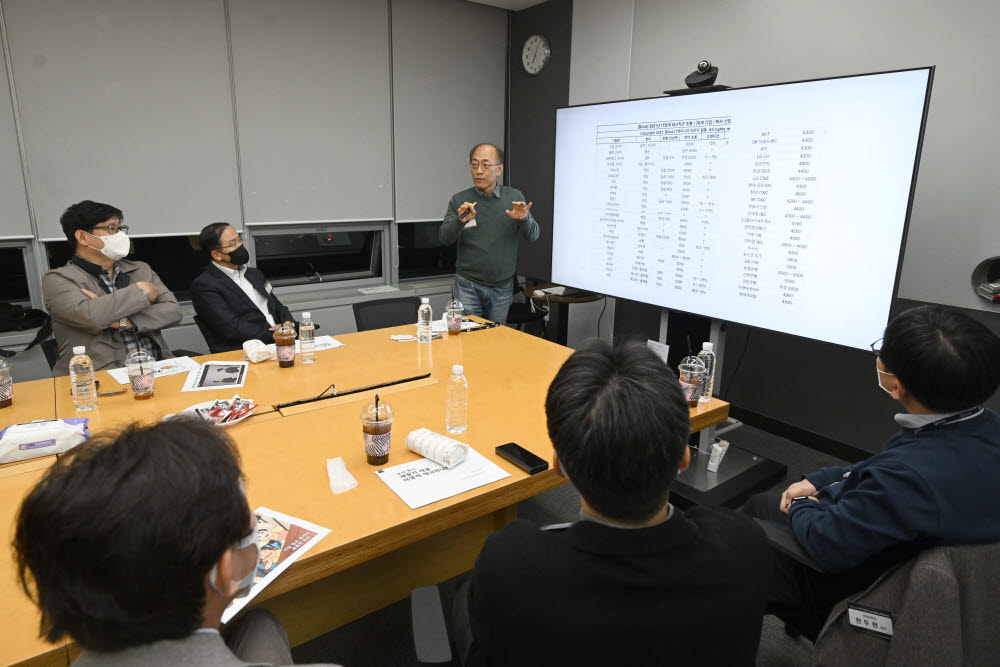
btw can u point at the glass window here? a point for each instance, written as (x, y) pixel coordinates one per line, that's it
(173, 258)
(421, 254)
(13, 277)
(319, 256)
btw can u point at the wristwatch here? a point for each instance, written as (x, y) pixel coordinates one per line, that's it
(797, 499)
(123, 323)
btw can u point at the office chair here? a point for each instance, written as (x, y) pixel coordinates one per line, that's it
(520, 314)
(214, 344)
(942, 603)
(382, 313)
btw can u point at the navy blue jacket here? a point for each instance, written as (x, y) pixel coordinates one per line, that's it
(926, 487)
(226, 309)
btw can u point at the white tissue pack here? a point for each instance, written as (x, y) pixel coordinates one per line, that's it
(41, 438)
(340, 478)
(257, 352)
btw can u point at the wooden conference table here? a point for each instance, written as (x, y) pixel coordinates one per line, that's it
(378, 549)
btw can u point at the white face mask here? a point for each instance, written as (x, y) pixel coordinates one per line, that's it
(878, 379)
(116, 246)
(246, 583)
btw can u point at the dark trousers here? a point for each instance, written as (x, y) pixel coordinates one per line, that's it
(259, 637)
(798, 594)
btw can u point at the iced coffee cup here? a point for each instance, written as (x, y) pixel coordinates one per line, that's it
(453, 317)
(284, 346)
(692, 377)
(376, 429)
(141, 374)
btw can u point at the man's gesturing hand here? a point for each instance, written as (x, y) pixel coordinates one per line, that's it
(520, 211)
(803, 488)
(466, 212)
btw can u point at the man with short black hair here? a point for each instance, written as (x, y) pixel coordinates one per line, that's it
(486, 221)
(636, 581)
(134, 543)
(934, 482)
(235, 301)
(102, 301)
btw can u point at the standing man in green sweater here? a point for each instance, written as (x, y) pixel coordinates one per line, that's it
(487, 220)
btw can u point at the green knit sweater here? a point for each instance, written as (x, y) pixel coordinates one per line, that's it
(487, 253)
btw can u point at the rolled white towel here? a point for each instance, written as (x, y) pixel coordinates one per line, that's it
(437, 448)
(257, 352)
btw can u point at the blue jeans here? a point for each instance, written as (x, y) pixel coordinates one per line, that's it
(482, 300)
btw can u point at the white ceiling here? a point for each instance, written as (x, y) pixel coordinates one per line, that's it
(512, 5)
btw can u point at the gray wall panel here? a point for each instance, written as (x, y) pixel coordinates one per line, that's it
(448, 59)
(126, 102)
(955, 210)
(313, 107)
(14, 219)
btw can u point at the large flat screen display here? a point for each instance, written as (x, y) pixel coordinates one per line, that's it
(783, 206)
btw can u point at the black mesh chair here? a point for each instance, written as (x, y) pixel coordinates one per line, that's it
(383, 313)
(214, 344)
(520, 314)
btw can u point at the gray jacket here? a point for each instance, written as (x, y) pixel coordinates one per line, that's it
(80, 320)
(944, 612)
(196, 650)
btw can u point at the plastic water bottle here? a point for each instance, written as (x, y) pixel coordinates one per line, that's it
(424, 318)
(81, 377)
(307, 339)
(707, 357)
(456, 418)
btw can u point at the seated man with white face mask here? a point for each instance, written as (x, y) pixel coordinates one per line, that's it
(134, 543)
(110, 305)
(934, 482)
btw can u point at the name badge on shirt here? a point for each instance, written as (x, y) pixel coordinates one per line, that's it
(470, 224)
(871, 620)
(267, 287)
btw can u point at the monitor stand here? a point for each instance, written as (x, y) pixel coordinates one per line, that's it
(741, 473)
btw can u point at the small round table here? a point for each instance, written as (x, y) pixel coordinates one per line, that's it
(562, 301)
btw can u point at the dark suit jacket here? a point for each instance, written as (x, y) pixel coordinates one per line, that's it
(690, 591)
(229, 312)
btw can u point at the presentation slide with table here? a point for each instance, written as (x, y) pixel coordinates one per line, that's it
(780, 206)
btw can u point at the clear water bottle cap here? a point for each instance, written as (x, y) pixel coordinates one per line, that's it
(79, 349)
(706, 346)
(306, 315)
(424, 299)
(457, 369)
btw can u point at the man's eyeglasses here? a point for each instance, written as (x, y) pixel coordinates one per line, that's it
(235, 244)
(113, 228)
(877, 347)
(485, 165)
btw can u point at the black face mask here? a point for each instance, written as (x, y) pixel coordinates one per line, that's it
(240, 256)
